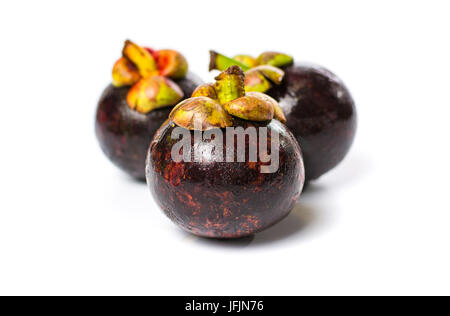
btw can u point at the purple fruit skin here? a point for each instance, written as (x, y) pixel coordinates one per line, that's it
(225, 199)
(321, 114)
(125, 134)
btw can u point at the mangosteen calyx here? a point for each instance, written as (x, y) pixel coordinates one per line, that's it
(149, 73)
(213, 105)
(261, 73)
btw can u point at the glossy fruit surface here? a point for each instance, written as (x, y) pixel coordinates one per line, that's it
(321, 114)
(222, 199)
(123, 133)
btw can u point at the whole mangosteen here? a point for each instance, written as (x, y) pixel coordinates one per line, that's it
(319, 109)
(224, 165)
(146, 85)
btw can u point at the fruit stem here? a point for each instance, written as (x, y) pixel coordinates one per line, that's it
(222, 62)
(230, 84)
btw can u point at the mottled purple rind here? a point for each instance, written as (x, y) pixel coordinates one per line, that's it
(125, 134)
(321, 114)
(225, 199)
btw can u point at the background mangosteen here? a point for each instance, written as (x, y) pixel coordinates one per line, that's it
(209, 196)
(319, 109)
(146, 84)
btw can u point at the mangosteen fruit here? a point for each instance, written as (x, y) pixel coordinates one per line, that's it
(146, 84)
(319, 108)
(224, 165)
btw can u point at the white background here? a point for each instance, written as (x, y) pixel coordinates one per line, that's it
(71, 223)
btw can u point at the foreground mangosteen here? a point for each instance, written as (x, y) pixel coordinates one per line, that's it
(146, 85)
(319, 109)
(224, 165)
